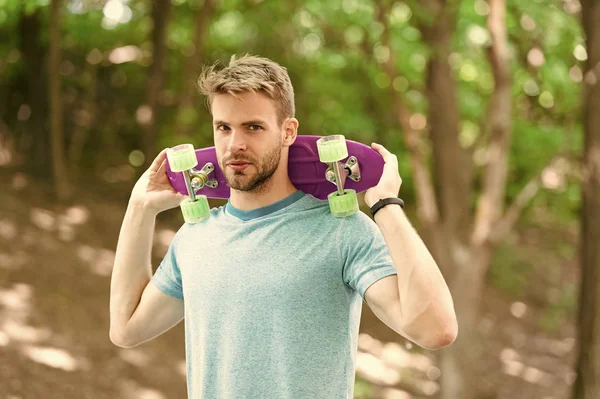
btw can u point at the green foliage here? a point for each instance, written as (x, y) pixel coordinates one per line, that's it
(534, 146)
(362, 389)
(510, 271)
(335, 54)
(553, 317)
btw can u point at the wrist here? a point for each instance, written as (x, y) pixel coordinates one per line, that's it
(383, 203)
(141, 206)
(391, 218)
(386, 211)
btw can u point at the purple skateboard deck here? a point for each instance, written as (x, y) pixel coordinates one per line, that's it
(305, 170)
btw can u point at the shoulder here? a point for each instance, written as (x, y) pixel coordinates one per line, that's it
(358, 220)
(358, 231)
(320, 209)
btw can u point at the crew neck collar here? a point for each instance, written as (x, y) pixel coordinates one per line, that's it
(265, 210)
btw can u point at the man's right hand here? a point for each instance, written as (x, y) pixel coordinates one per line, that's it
(153, 190)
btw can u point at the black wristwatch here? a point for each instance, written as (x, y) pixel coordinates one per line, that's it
(383, 202)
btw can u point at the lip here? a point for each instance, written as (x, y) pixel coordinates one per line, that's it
(238, 166)
(237, 162)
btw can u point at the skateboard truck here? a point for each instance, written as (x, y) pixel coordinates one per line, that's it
(332, 149)
(197, 179)
(182, 158)
(337, 172)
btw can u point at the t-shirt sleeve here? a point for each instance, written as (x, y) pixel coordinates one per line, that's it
(364, 253)
(167, 277)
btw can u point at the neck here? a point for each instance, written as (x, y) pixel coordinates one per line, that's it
(274, 190)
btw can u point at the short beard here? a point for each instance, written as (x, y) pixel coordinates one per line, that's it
(265, 171)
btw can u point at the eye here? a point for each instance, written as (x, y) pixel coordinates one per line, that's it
(222, 127)
(255, 127)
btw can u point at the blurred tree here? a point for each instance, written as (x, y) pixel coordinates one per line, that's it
(85, 117)
(149, 112)
(33, 141)
(461, 236)
(62, 184)
(587, 385)
(187, 116)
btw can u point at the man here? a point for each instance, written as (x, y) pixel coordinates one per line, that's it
(272, 283)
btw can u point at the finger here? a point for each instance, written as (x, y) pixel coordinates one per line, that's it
(162, 167)
(387, 156)
(160, 173)
(158, 161)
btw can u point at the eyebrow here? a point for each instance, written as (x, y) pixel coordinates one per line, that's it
(248, 123)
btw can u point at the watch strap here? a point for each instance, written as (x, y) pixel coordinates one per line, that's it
(385, 201)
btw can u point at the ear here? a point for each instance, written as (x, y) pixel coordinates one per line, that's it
(290, 129)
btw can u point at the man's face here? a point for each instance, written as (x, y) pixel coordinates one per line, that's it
(246, 130)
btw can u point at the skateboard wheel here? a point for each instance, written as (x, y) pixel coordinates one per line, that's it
(195, 211)
(332, 148)
(343, 205)
(182, 157)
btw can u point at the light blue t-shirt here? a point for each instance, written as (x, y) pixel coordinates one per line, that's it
(273, 298)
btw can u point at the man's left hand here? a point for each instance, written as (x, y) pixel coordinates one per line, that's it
(390, 182)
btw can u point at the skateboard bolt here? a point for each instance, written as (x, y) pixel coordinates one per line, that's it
(198, 182)
(330, 176)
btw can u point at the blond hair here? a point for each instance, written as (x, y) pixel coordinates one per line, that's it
(250, 74)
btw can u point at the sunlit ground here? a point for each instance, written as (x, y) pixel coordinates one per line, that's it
(55, 265)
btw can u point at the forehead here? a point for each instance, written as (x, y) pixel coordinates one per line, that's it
(242, 107)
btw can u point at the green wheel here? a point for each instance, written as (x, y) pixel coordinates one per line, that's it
(182, 157)
(343, 205)
(332, 148)
(195, 211)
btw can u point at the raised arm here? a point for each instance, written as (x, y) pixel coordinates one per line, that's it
(138, 310)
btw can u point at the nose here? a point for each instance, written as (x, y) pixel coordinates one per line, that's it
(237, 141)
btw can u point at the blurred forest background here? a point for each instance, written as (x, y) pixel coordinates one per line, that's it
(492, 106)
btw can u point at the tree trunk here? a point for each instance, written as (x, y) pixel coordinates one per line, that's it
(427, 208)
(587, 385)
(458, 362)
(187, 115)
(499, 128)
(33, 143)
(84, 119)
(160, 18)
(452, 166)
(469, 256)
(59, 166)
(452, 174)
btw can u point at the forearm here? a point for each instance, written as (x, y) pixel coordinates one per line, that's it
(132, 267)
(425, 300)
